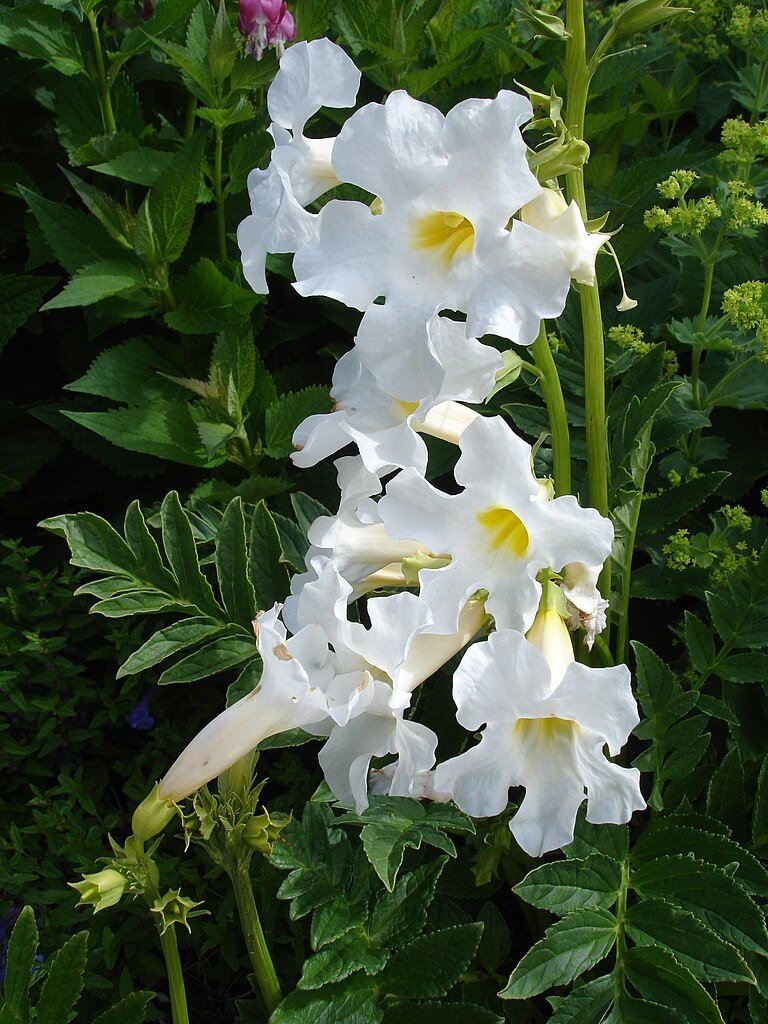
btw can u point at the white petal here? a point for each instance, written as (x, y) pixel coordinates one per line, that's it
(600, 700)
(479, 779)
(311, 75)
(415, 746)
(346, 756)
(613, 792)
(566, 532)
(391, 149)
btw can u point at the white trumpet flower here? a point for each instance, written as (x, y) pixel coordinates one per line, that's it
(311, 75)
(499, 532)
(383, 425)
(440, 237)
(547, 720)
(301, 684)
(563, 222)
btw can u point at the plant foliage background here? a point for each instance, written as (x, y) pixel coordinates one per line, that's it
(145, 382)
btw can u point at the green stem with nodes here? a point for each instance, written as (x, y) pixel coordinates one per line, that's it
(621, 944)
(218, 194)
(105, 99)
(578, 73)
(169, 946)
(558, 421)
(709, 271)
(255, 941)
(179, 1012)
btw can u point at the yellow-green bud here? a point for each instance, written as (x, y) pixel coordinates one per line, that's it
(101, 890)
(151, 816)
(173, 908)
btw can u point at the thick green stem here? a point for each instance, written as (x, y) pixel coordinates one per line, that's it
(558, 421)
(621, 942)
(578, 73)
(218, 194)
(105, 99)
(254, 935)
(709, 271)
(179, 1012)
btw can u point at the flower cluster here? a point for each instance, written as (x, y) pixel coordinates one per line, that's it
(456, 222)
(265, 23)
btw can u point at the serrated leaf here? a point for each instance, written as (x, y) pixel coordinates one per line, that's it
(208, 301)
(94, 543)
(131, 372)
(429, 1012)
(567, 885)
(586, 1004)
(97, 281)
(284, 415)
(726, 795)
(708, 893)
(400, 915)
(760, 808)
(307, 509)
(20, 297)
(172, 202)
(218, 656)
(141, 166)
(62, 987)
(669, 506)
(268, 574)
(347, 955)
(431, 965)
(180, 550)
(163, 644)
(131, 1010)
(609, 840)
(659, 978)
(697, 947)
(164, 429)
(232, 567)
(329, 1006)
(700, 643)
(20, 957)
(75, 238)
(569, 947)
(40, 32)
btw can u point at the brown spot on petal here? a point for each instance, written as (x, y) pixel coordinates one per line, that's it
(282, 653)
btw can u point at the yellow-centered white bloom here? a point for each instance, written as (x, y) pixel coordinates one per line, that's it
(547, 720)
(441, 235)
(499, 531)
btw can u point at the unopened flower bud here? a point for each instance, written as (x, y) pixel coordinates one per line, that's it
(151, 816)
(101, 890)
(639, 15)
(549, 632)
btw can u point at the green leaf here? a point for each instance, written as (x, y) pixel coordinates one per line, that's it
(268, 574)
(94, 543)
(64, 982)
(569, 947)
(428, 1012)
(401, 914)
(659, 978)
(307, 509)
(586, 1004)
(171, 203)
(708, 893)
(726, 795)
(697, 947)
(629, 1010)
(330, 1006)
(319, 858)
(142, 166)
(132, 372)
(163, 644)
(179, 544)
(98, 281)
(284, 415)
(609, 840)
(392, 824)
(20, 297)
(130, 1010)
(232, 567)
(217, 656)
(567, 885)
(760, 808)
(333, 920)
(246, 153)
(20, 958)
(41, 32)
(208, 301)
(347, 955)
(164, 429)
(669, 836)
(75, 238)
(144, 546)
(669, 506)
(432, 964)
(700, 643)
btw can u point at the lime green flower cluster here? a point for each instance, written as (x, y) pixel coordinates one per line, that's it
(743, 143)
(746, 307)
(717, 551)
(687, 216)
(748, 30)
(631, 338)
(701, 35)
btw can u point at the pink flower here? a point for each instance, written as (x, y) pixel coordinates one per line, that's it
(264, 22)
(283, 32)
